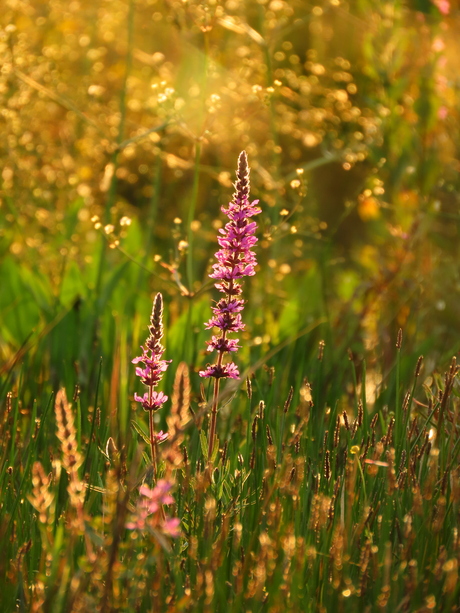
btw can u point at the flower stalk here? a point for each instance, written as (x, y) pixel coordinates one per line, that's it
(235, 260)
(151, 374)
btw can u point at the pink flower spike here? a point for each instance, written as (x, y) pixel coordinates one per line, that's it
(234, 260)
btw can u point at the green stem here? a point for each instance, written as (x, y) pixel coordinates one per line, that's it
(398, 408)
(153, 444)
(212, 426)
(191, 216)
(215, 400)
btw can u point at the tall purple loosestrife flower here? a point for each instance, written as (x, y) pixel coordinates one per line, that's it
(151, 374)
(235, 260)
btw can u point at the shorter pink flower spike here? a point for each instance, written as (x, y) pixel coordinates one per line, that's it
(154, 367)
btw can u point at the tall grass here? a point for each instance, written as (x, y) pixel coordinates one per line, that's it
(335, 484)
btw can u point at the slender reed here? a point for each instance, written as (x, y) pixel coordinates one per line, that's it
(235, 260)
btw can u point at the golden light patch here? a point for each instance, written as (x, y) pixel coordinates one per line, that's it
(368, 208)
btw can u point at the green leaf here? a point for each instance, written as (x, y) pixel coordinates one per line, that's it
(142, 433)
(204, 444)
(215, 451)
(19, 311)
(112, 283)
(72, 285)
(220, 489)
(38, 286)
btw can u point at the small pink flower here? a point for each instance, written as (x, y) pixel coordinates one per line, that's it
(157, 400)
(221, 372)
(171, 527)
(223, 344)
(443, 112)
(226, 321)
(137, 524)
(161, 436)
(159, 494)
(443, 6)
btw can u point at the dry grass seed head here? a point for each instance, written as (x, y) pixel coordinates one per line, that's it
(66, 433)
(41, 497)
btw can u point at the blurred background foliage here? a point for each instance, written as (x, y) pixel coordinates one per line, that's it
(121, 125)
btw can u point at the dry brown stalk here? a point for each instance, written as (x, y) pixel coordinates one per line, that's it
(71, 461)
(180, 401)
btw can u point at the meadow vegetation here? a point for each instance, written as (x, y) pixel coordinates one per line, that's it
(319, 469)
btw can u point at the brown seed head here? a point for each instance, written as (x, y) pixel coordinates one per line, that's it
(269, 435)
(321, 346)
(360, 413)
(180, 400)
(66, 433)
(287, 404)
(156, 326)
(327, 466)
(249, 387)
(418, 367)
(242, 176)
(41, 497)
